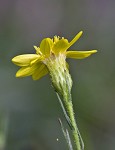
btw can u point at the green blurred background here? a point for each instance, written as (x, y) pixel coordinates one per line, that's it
(29, 110)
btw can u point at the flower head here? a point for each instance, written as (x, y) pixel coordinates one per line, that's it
(39, 64)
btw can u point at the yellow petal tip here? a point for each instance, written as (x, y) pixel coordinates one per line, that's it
(81, 32)
(34, 46)
(13, 60)
(94, 51)
(17, 75)
(78, 35)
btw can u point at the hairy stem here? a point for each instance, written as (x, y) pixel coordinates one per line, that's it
(70, 112)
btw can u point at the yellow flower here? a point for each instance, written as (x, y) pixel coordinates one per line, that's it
(50, 50)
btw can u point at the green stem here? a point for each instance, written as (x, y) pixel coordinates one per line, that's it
(70, 111)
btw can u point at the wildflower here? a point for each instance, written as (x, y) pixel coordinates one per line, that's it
(36, 65)
(50, 58)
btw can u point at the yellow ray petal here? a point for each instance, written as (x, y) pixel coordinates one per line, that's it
(60, 46)
(24, 60)
(46, 46)
(37, 50)
(76, 38)
(26, 71)
(40, 71)
(79, 54)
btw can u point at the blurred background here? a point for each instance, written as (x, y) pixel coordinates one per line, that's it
(29, 110)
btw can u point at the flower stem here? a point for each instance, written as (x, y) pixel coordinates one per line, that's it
(74, 125)
(70, 112)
